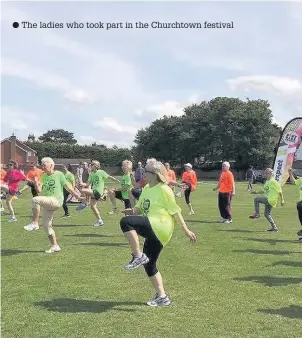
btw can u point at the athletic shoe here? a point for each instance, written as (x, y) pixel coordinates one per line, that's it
(221, 220)
(227, 221)
(98, 223)
(275, 229)
(12, 220)
(31, 227)
(113, 211)
(255, 216)
(81, 207)
(136, 262)
(159, 301)
(191, 213)
(65, 216)
(299, 233)
(1, 209)
(300, 239)
(18, 193)
(53, 248)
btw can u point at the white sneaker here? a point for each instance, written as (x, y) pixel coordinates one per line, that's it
(221, 220)
(1, 209)
(227, 221)
(191, 213)
(53, 248)
(113, 212)
(12, 219)
(31, 227)
(98, 223)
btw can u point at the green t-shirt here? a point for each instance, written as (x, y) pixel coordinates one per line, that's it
(70, 178)
(126, 180)
(272, 190)
(158, 204)
(97, 180)
(52, 185)
(298, 183)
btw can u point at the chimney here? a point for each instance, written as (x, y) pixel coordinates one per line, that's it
(13, 154)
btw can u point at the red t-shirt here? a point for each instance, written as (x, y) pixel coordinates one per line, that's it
(12, 178)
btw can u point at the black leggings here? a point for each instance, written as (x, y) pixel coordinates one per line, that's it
(152, 245)
(299, 208)
(65, 207)
(188, 192)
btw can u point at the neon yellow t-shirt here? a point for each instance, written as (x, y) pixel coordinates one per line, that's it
(70, 178)
(272, 190)
(97, 180)
(52, 185)
(298, 183)
(126, 180)
(158, 204)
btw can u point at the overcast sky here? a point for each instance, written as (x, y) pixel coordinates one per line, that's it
(105, 84)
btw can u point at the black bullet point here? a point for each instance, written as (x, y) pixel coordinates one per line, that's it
(15, 24)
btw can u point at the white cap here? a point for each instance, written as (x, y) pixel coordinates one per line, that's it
(188, 165)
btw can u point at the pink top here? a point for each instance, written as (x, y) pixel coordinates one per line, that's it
(13, 177)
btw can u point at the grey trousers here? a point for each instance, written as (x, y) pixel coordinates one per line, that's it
(267, 210)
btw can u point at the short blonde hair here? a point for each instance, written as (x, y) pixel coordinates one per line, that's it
(96, 164)
(127, 163)
(47, 160)
(159, 169)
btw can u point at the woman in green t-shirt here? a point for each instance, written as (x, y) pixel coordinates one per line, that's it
(298, 183)
(153, 218)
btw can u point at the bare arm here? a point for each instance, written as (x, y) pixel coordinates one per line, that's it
(133, 211)
(180, 220)
(70, 189)
(114, 179)
(291, 176)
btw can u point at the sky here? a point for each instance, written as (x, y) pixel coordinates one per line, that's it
(103, 85)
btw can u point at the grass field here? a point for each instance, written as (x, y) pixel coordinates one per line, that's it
(236, 281)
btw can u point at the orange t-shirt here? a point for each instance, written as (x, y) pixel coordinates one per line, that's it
(171, 175)
(190, 177)
(34, 173)
(226, 181)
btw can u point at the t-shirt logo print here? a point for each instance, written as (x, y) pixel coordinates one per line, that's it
(50, 186)
(146, 206)
(95, 181)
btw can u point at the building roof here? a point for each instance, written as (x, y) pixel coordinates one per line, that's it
(20, 145)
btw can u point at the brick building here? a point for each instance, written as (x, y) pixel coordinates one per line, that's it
(13, 149)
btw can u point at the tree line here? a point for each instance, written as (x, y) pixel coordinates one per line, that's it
(207, 133)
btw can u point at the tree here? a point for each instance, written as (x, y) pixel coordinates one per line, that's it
(221, 129)
(60, 136)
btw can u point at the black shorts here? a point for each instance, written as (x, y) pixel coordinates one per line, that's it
(118, 195)
(96, 195)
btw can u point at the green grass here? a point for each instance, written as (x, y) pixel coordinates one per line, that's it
(237, 281)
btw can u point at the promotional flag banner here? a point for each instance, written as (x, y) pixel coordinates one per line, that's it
(288, 145)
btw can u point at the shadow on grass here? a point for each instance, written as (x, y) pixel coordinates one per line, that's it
(103, 244)
(266, 252)
(11, 252)
(204, 222)
(70, 225)
(292, 311)
(270, 240)
(241, 231)
(271, 281)
(88, 235)
(78, 305)
(287, 263)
